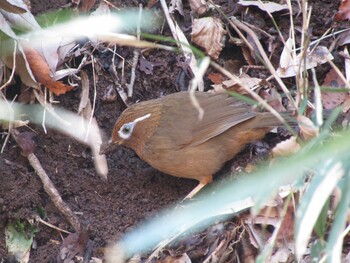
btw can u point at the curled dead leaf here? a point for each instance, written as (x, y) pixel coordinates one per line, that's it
(307, 128)
(290, 65)
(269, 7)
(41, 72)
(286, 148)
(232, 85)
(208, 32)
(286, 55)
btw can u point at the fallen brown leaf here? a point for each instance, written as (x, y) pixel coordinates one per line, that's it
(290, 65)
(41, 72)
(216, 78)
(344, 11)
(269, 7)
(330, 100)
(208, 32)
(232, 85)
(74, 244)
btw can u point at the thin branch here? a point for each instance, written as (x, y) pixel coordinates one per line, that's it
(235, 23)
(49, 187)
(136, 56)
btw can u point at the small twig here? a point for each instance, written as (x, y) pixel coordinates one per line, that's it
(44, 112)
(133, 73)
(182, 43)
(197, 78)
(51, 190)
(263, 32)
(170, 22)
(49, 187)
(318, 100)
(235, 23)
(94, 99)
(136, 56)
(300, 77)
(117, 82)
(38, 218)
(110, 4)
(339, 73)
(167, 241)
(113, 62)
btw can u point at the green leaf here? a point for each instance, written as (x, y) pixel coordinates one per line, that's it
(56, 17)
(317, 250)
(313, 201)
(321, 223)
(19, 238)
(335, 239)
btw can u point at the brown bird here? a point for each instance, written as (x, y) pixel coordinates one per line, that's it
(168, 134)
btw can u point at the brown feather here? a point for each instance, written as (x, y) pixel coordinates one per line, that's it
(176, 142)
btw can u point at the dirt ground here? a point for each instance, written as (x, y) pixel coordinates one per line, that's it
(134, 191)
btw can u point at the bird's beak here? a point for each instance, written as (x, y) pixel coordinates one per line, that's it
(109, 147)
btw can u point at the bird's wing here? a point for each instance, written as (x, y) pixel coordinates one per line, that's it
(183, 126)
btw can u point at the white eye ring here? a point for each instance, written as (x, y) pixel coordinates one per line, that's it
(126, 130)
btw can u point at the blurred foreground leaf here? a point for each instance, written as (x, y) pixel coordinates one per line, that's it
(261, 185)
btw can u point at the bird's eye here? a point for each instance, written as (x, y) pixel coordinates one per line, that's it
(126, 129)
(125, 132)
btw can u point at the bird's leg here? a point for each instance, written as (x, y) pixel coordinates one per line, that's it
(195, 191)
(202, 183)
